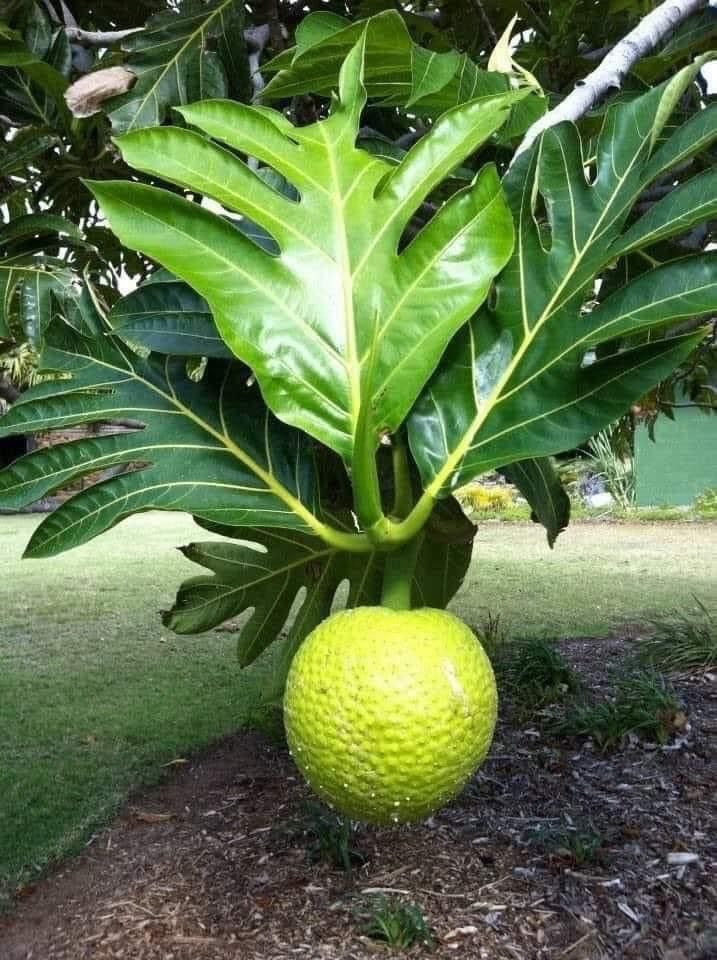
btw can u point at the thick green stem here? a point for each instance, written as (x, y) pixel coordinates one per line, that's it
(398, 575)
(341, 539)
(403, 494)
(367, 492)
(406, 530)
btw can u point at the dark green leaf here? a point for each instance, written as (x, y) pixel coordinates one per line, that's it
(36, 225)
(26, 285)
(539, 483)
(691, 203)
(16, 155)
(210, 448)
(267, 571)
(691, 138)
(168, 317)
(174, 63)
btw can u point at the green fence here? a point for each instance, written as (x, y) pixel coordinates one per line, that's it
(680, 464)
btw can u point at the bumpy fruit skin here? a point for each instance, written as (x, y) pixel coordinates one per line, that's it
(388, 713)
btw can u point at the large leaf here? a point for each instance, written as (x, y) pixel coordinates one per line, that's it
(398, 71)
(265, 573)
(341, 329)
(514, 384)
(267, 570)
(539, 483)
(210, 448)
(180, 56)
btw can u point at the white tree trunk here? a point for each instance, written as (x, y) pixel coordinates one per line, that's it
(649, 32)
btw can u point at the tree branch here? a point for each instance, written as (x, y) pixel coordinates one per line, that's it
(649, 32)
(99, 38)
(256, 39)
(485, 20)
(8, 391)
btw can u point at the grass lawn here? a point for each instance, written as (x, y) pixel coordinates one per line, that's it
(95, 695)
(598, 577)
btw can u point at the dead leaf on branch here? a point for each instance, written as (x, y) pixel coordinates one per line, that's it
(86, 95)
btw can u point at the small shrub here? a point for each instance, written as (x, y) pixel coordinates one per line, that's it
(329, 838)
(493, 636)
(682, 641)
(706, 504)
(643, 704)
(485, 499)
(395, 923)
(534, 672)
(612, 462)
(577, 845)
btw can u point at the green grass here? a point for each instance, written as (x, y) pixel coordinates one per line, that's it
(598, 577)
(327, 836)
(533, 672)
(520, 513)
(577, 845)
(682, 640)
(395, 923)
(95, 695)
(643, 704)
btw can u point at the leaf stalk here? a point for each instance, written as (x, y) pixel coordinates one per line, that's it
(403, 492)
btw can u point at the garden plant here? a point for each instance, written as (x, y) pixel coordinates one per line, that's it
(347, 336)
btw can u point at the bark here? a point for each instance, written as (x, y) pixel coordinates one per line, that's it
(7, 391)
(99, 38)
(652, 30)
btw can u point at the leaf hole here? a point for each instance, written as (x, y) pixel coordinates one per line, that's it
(542, 222)
(590, 172)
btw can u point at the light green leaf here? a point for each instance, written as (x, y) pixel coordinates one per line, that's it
(513, 385)
(343, 358)
(175, 63)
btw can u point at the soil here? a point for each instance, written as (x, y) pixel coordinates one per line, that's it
(217, 864)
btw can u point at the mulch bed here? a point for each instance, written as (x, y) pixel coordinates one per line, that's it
(208, 867)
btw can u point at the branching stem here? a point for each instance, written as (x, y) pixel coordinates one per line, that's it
(402, 491)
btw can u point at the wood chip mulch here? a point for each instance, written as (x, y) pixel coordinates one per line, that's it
(211, 866)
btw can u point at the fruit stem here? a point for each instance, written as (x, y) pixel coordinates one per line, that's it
(398, 575)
